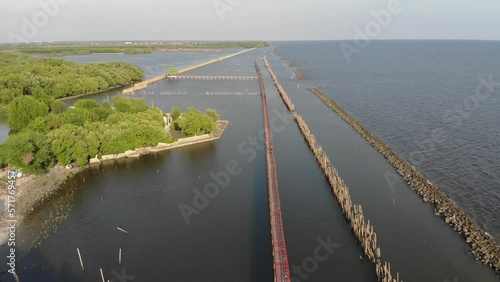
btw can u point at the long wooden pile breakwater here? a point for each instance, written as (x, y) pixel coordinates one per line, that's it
(354, 213)
(280, 256)
(484, 248)
(297, 72)
(145, 83)
(278, 55)
(280, 88)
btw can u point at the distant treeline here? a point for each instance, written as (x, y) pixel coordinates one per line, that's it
(50, 78)
(140, 48)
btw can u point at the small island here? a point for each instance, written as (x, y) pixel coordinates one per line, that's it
(50, 135)
(52, 142)
(55, 142)
(47, 79)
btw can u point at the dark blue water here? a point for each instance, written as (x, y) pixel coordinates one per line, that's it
(404, 90)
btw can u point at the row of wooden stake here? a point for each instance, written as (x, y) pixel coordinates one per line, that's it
(354, 213)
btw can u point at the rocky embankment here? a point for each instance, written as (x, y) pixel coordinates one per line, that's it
(32, 191)
(484, 248)
(297, 72)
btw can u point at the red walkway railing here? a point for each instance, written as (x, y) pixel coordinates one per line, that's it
(280, 256)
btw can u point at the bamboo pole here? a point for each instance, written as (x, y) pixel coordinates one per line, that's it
(80, 257)
(16, 279)
(124, 231)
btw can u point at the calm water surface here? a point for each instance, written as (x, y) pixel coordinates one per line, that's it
(229, 240)
(403, 90)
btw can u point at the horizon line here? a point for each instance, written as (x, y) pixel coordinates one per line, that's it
(237, 40)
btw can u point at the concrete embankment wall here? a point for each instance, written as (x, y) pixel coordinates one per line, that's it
(484, 248)
(193, 139)
(144, 84)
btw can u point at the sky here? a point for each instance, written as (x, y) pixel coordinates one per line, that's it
(270, 20)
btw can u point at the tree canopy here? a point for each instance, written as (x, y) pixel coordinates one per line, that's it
(29, 151)
(213, 114)
(129, 105)
(76, 134)
(48, 78)
(176, 112)
(171, 70)
(23, 110)
(195, 122)
(58, 107)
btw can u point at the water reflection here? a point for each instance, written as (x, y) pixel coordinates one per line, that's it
(199, 153)
(4, 131)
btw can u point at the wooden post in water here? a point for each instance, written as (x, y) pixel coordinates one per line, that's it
(124, 231)
(80, 257)
(15, 276)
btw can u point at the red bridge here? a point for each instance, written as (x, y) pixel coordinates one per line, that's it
(280, 256)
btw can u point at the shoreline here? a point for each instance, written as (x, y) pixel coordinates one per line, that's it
(26, 203)
(483, 247)
(32, 191)
(160, 147)
(93, 93)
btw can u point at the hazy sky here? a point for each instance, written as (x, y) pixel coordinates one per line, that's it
(244, 19)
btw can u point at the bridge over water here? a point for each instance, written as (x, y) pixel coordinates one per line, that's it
(143, 84)
(213, 77)
(280, 255)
